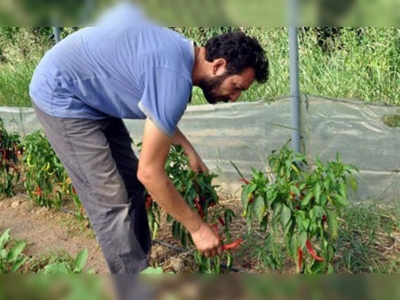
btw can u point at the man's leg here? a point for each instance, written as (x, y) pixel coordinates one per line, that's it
(127, 164)
(84, 150)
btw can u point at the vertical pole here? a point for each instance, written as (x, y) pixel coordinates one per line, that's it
(57, 35)
(294, 87)
(294, 73)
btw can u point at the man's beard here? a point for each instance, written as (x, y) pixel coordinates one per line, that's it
(210, 88)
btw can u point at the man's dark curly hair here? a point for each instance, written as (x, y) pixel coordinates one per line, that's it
(241, 52)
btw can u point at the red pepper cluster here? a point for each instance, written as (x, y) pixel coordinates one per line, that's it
(200, 210)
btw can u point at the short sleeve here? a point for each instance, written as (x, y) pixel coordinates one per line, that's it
(165, 97)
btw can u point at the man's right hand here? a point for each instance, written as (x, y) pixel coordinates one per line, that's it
(206, 241)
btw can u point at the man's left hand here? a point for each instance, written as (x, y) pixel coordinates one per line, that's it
(196, 163)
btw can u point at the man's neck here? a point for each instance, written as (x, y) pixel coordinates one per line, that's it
(199, 65)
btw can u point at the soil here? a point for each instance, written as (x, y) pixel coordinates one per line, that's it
(49, 231)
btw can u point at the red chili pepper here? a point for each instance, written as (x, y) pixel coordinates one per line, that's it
(12, 166)
(244, 180)
(215, 228)
(323, 219)
(149, 200)
(221, 220)
(204, 203)
(251, 199)
(300, 260)
(38, 191)
(16, 150)
(199, 208)
(312, 252)
(232, 245)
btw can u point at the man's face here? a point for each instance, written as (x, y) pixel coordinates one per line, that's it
(225, 87)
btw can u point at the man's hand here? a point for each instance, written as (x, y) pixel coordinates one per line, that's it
(195, 162)
(206, 241)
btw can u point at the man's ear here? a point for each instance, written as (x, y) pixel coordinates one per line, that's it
(219, 66)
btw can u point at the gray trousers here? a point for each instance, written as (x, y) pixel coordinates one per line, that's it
(98, 157)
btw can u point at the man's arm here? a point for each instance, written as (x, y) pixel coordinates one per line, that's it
(151, 172)
(195, 162)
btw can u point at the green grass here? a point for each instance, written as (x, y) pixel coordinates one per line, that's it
(14, 84)
(365, 67)
(362, 66)
(391, 120)
(370, 240)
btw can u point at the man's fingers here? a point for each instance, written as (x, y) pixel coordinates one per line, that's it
(213, 252)
(204, 169)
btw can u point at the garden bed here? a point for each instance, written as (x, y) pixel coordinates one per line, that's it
(287, 219)
(49, 232)
(370, 241)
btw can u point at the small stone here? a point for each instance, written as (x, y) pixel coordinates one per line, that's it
(15, 204)
(156, 252)
(153, 256)
(177, 264)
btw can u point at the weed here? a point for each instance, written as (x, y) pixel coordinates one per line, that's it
(369, 239)
(391, 120)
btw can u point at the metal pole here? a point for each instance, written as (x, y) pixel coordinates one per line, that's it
(57, 35)
(294, 87)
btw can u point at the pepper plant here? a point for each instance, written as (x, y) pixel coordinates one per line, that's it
(200, 194)
(47, 182)
(10, 152)
(301, 206)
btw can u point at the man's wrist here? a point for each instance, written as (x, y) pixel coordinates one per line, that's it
(194, 224)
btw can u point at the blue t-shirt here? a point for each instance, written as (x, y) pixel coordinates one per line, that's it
(124, 72)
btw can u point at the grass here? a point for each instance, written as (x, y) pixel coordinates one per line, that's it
(370, 240)
(359, 64)
(391, 120)
(14, 84)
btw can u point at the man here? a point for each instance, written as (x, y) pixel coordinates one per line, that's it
(86, 84)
